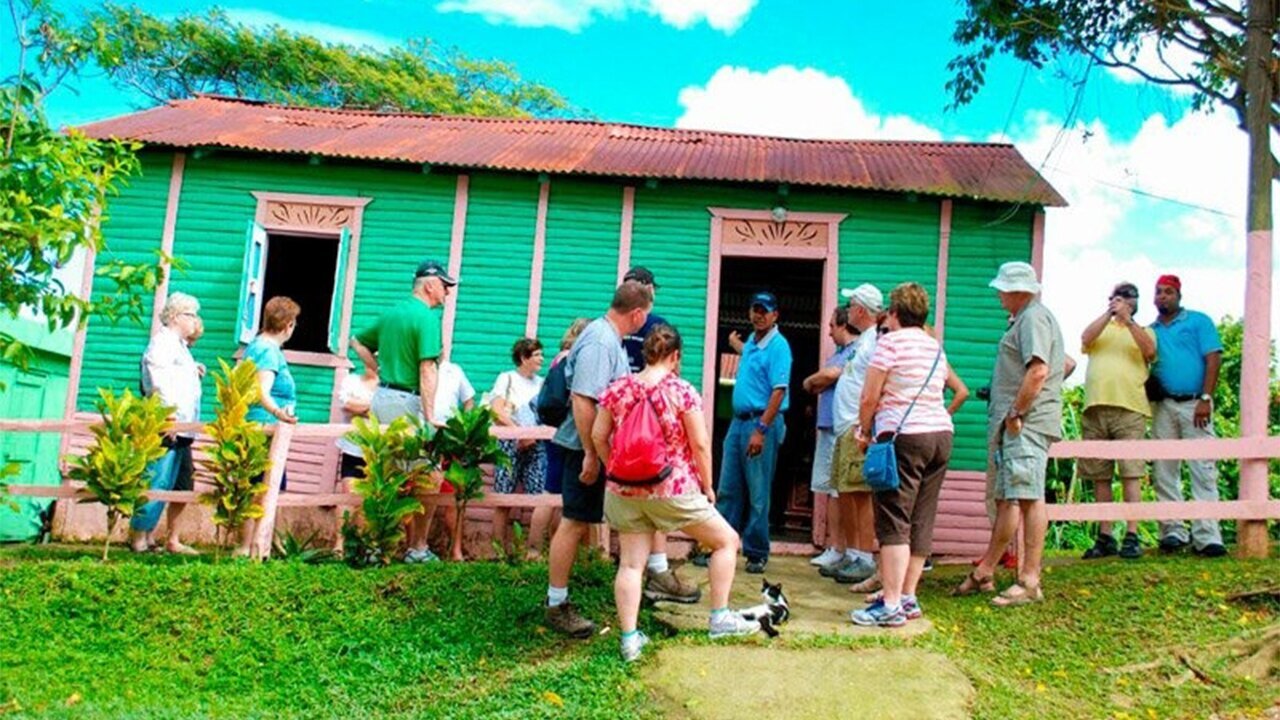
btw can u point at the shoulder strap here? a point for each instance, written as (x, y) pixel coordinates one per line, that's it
(932, 370)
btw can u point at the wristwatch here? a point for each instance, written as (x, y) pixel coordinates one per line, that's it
(761, 428)
(1206, 397)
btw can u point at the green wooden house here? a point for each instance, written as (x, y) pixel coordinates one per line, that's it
(540, 218)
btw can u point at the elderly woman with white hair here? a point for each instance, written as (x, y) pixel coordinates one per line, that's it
(169, 370)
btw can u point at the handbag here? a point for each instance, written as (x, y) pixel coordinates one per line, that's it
(880, 467)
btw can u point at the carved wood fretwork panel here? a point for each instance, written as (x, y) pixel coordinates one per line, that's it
(312, 215)
(769, 233)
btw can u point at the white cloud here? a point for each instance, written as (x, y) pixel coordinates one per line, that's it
(792, 102)
(324, 31)
(1169, 199)
(573, 15)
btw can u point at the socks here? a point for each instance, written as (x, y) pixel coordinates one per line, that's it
(630, 634)
(657, 563)
(719, 612)
(557, 596)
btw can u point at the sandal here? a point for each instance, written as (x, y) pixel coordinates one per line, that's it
(1018, 594)
(974, 583)
(871, 585)
(875, 597)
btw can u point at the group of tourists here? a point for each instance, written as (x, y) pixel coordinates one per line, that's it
(632, 445)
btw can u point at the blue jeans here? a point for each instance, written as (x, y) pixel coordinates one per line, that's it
(163, 472)
(747, 483)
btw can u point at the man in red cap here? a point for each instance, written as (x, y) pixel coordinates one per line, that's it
(1188, 357)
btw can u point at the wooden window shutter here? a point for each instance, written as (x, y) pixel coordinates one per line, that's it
(249, 311)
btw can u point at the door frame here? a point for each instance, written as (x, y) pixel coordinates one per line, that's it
(793, 238)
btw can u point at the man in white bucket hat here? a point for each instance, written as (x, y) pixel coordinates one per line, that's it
(1023, 418)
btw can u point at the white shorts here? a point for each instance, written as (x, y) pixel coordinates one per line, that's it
(823, 452)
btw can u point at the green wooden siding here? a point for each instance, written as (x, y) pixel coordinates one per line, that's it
(135, 222)
(887, 240)
(584, 222)
(982, 237)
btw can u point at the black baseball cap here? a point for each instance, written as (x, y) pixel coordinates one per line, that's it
(641, 275)
(431, 268)
(766, 300)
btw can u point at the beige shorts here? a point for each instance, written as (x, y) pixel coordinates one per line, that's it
(646, 515)
(1107, 422)
(1021, 463)
(846, 471)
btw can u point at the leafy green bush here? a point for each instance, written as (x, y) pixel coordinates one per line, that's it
(461, 447)
(114, 470)
(305, 549)
(398, 464)
(239, 451)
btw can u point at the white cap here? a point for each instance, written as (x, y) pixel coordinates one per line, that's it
(1016, 276)
(866, 295)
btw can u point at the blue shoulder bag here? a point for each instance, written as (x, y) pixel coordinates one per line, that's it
(880, 468)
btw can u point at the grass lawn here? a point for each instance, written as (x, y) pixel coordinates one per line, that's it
(173, 637)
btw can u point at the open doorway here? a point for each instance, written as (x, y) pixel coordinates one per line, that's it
(798, 285)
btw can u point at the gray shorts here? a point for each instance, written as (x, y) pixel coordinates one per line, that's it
(823, 452)
(389, 404)
(1021, 462)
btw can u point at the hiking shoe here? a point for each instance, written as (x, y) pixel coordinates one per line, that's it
(1212, 550)
(731, 624)
(928, 564)
(1172, 544)
(1104, 546)
(566, 620)
(877, 614)
(1131, 548)
(421, 556)
(700, 558)
(855, 571)
(755, 567)
(827, 557)
(911, 607)
(632, 645)
(829, 571)
(668, 586)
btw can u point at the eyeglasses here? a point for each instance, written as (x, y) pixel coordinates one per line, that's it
(189, 314)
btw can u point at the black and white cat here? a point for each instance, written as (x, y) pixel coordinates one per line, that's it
(771, 613)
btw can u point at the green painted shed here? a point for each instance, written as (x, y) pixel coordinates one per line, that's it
(540, 218)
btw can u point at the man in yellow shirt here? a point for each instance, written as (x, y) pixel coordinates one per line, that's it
(1116, 407)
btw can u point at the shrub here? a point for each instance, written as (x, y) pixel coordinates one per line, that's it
(114, 470)
(461, 447)
(397, 466)
(239, 451)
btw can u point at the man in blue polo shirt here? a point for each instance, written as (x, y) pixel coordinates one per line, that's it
(760, 396)
(1188, 357)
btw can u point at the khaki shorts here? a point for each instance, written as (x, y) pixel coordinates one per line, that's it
(646, 515)
(846, 470)
(1107, 422)
(1021, 464)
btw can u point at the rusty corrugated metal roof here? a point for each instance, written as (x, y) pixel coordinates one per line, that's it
(985, 171)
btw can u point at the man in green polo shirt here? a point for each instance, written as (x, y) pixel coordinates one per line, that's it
(403, 350)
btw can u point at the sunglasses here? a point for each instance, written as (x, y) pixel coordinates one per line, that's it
(1126, 294)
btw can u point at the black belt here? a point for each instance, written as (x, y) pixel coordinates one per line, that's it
(177, 443)
(1182, 398)
(749, 415)
(401, 388)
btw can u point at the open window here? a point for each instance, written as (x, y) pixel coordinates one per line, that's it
(309, 267)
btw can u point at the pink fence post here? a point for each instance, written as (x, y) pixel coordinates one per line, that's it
(261, 547)
(1255, 391)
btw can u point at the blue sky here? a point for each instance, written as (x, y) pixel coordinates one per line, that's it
(1153, 186)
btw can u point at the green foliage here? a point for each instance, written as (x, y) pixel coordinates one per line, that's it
(397, 466)
(516, 555)
(56, 187)
(296, 548)
(114, 469)
(238, 452)
(462, 446)
(6, 471)
(169, 57)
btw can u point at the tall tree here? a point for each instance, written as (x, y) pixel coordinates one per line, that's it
(1233, 50)
(165, 58)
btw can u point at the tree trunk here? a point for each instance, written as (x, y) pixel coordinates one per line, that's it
(1255, 375)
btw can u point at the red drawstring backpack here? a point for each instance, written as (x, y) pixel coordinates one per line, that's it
(639, 450)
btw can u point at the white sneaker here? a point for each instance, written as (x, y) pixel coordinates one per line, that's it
(732, 624)
(827, 558)
(421, 556)
(631, 646)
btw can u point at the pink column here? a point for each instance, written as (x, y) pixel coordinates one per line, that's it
(944, 260)
(455, 257)
(167, 236)
(539, 259)
(1037, 244)
(709, 358)
(624, 237)
(1255, 392)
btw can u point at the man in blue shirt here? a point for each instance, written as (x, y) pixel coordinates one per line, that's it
(760, 396)
(1188, 357)
(633, 343)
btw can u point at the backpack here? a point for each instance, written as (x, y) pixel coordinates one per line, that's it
(639, 449)
(552, 404)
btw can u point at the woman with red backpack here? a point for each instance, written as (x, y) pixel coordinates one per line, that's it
(651, 436)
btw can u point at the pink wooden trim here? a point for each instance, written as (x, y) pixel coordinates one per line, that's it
(830, 286)
(1192, 510)
(944, 260)
(81, 421)
(1255, 371)
(539, 259)
(347, 200)
(1037, 244)
(1206, 449)
(261, 547)
(764, 251)
(323, 499)
(624, 236)
(712, 322)
(167, 236)
(77, 357)
(349, 282)
(303, 357)
(456, 238)
(812, 217)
